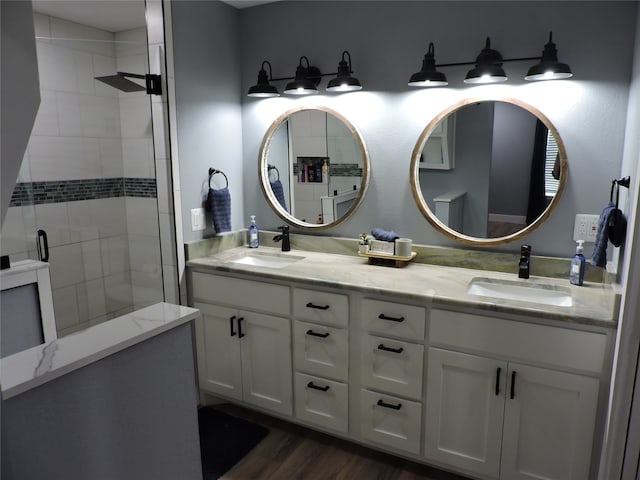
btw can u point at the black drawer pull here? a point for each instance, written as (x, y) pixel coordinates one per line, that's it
(316, 387)
(498, 381)
(240, 334)
(389, 405)
(317, 307)
(382, 316)
(316, 334)
(389, 349)
(233, 334)
(513, 385)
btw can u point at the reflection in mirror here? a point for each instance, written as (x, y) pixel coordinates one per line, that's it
(488, 172)
(313, 167)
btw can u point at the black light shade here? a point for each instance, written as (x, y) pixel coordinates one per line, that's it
(305, 80)
(488, 67)
(549, 67)
(263, 88)
(428, 76)
(344, 82)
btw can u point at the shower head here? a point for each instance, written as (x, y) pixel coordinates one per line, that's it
(123, 84)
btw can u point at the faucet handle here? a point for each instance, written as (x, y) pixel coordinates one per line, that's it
(525, 250)
(284, 228)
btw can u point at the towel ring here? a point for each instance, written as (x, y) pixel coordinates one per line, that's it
(213, 171)
(273, 167)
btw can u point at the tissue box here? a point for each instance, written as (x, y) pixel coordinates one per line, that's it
(381, 246)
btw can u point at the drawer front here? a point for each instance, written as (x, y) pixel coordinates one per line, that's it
(217, 289)
(321, 307)
(391, 421)
(394, 319)
(519, 340)
(322, 402)
(392, 366)
(321, 350)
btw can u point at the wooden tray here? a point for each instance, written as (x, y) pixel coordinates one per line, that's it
(398, 261)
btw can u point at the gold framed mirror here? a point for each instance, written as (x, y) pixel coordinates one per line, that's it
(487, 172)
(313, 167)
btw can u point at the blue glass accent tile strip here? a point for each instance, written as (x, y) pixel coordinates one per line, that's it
(38, 193)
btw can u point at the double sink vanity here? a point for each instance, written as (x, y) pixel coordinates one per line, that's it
(473, 371)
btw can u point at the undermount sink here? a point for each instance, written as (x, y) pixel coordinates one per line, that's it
(264, 259)
(521, 290)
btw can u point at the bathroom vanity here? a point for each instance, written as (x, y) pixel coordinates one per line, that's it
(411, 361)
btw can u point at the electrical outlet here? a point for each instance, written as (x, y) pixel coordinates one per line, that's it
(197, 219)
(586, 227)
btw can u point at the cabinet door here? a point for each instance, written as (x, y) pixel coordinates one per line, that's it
(266, 361)
(548, 424)
(219, 365)
(464, 411)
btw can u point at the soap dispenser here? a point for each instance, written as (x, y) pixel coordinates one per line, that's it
(253, 233)
(576, 273)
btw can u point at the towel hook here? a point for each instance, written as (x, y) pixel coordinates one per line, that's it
(624, 182)
(273, 167)
(213, 171)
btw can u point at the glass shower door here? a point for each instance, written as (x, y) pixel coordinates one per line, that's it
(89, 178)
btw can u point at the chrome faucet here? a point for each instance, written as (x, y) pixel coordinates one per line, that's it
(284, 236)
(525, 260)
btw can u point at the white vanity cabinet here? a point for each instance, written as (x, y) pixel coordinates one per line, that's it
(503, 416)
(321, 358)
(242, 354)
(391, 373)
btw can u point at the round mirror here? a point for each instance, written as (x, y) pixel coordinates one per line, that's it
(486, 172)
(313, 167)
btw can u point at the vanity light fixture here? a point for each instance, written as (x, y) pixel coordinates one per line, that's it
(263, 88)
(344, 82)
(549, 67)
(488, 67)
(428, 76)
(306, 79)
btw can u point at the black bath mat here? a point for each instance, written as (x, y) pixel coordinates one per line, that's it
(224, 440)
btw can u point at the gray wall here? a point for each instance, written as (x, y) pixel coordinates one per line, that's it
(387, 41)
(130, 416)
(20, 92)
(206, 47)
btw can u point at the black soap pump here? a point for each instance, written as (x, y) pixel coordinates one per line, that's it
(524, 263)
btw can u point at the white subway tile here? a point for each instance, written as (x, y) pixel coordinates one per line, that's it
(147, 288)
(15, 239)
(167, 239)
(83, 302)
(65, 307)
(135, 115)
(163, 187)
(144, 253)
(65, 265)
(118, 292)
(115, 254)
(111, 157)
(137, 157)
(96, 293)
(92, 259)
(47, 118)
(142, 216)
(53, 218)
(170, 281)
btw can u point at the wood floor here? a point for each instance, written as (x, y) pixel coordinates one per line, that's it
(292, 452)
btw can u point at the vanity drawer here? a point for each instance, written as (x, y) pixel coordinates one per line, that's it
(321, 307)
(523, 341)
(249, 294)
(395, 319)
(392, 366)
(321, 350)
(321, 401)
(390, 420)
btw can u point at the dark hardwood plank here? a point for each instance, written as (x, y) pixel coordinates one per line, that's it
(292, 452)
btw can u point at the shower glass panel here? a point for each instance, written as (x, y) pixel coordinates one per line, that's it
(88, 176)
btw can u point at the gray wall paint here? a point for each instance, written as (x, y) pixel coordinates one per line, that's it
(206, 49)
(20, 92)
(130, 416)
(387, 41)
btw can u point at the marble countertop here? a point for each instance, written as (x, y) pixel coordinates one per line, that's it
(594, 304)
(35, 366)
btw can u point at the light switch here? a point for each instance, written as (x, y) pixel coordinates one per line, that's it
(197, 219)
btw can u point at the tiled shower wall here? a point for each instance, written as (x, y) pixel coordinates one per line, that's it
(91, 161)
